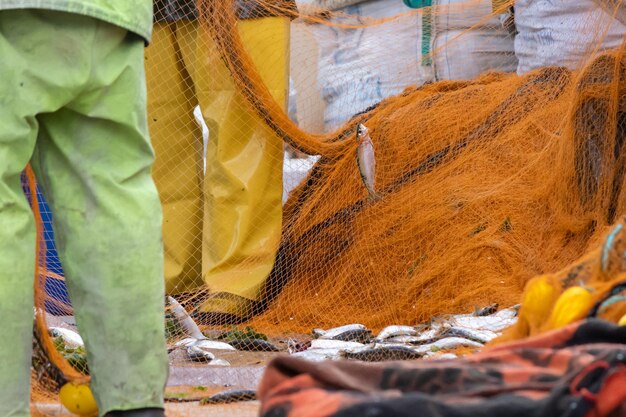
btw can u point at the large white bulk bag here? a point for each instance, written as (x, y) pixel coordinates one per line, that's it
(468, 41)
(338, 72)
(352, 69)
(562, 32)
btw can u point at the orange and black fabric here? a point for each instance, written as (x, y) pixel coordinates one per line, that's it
(576, 371)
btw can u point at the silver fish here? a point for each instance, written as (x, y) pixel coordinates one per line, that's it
(253, 345)
(197, 339)
(480, 336)
(203, 344)
(188, 341)
(334, 344)
(185, 321)
(411, 340)
(318, 355)
(366, 159)
(383, 353)
(494, 323)
(386, 343)
(440, 356)
(213, 345)
(230, 397)
(392, 331)
(427, 336)
(446, 344)
(336, 331)
(198, 354)
(70, 338)
(358, 335)
(508, 313)
(219, 362)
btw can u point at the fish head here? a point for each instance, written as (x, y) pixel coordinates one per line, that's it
(361, 132)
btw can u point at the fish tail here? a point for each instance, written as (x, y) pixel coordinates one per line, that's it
(374, 197)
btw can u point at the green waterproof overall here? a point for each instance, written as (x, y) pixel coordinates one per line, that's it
(73, 102)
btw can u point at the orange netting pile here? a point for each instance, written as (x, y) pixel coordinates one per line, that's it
(484, 184)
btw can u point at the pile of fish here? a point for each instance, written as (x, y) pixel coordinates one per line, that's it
(436, 339)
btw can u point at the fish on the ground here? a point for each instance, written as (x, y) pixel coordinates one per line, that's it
(188, 341)
(359, 335)
(447, 343)
(495, 323)
(410, 340)
(184, 319)
(381, 353)
(431, 335)
(393, 331)
(318, 355)
(204, 344)
(230, 397)
(440, 357)
(480, 336)
(337, 330)
(219, 362)
(213, 345)
(253, 345)
(70, 338)
(366, 159)
(334, 344)
(349, 332)
(197, 338)
(509, 313)
(378, 345)
(219, 398)
(198, 354)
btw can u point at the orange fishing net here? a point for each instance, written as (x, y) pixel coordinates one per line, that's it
(487, 178)
(484, 183)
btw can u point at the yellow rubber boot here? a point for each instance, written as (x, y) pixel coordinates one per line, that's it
(243, 182)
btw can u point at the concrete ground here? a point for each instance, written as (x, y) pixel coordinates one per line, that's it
(213, 380)
(183, 379)
(247, 409)
(189, 380)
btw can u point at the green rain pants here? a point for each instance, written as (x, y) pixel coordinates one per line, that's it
(73, 99)
(221, 229)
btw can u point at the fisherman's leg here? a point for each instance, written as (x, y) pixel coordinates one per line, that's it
(17, 264)
(26, 88)
(94, 158)
(243, 182)
(178, 145)
(17, 246)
